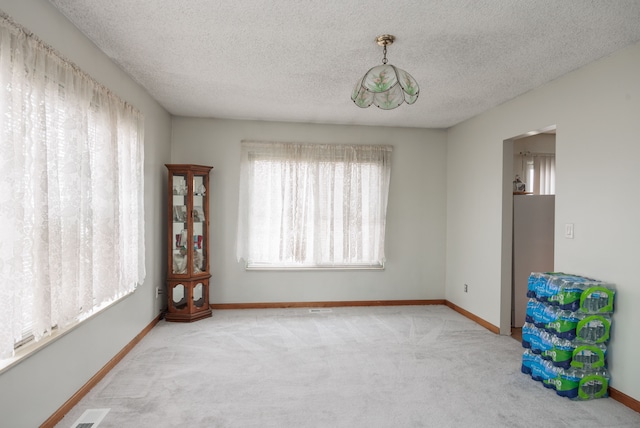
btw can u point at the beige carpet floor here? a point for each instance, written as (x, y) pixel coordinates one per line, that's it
(405, 366)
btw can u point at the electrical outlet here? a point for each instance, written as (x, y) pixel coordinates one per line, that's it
(158, 292)
(466, 288)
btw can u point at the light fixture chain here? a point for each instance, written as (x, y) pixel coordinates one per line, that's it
(384, 52)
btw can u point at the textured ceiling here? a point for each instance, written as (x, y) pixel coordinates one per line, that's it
(298, 61)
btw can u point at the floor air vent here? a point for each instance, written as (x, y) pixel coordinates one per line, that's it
(320, 310)
(90, 418)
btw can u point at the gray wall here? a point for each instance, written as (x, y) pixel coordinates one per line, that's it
(597, 113)
(415, 236)
(34, 389)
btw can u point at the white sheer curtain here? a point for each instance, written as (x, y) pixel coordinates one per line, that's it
(71, 191)
(313, 205)
(544, 167)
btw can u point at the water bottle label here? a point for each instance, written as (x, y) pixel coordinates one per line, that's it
(565, 383)
(561, 325)
(559, 355)
(566, 297)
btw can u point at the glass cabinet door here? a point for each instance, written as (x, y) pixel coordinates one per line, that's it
(180, 234)
(199, 224)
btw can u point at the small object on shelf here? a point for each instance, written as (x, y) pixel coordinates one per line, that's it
(181, 238)
(198, 214)
(188, 273)
(179, 213)
(197, 261)
(180, 261)
(518, 185)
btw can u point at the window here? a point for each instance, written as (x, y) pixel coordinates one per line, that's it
(539, 171)
(71, 198)
(544, 174)
(313, 205)
(541, 174)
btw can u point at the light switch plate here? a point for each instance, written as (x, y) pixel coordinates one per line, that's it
(568, 230)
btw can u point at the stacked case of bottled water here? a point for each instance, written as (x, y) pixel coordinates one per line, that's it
(565, 336)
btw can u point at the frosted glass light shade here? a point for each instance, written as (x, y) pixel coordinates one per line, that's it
(386, 86)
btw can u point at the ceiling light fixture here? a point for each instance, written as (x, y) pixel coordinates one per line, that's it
(385, 85)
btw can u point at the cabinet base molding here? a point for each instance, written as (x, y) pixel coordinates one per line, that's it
(177, 317)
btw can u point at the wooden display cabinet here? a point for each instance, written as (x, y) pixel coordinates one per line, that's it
(188, 271)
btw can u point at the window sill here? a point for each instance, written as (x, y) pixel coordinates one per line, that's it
(270, 267)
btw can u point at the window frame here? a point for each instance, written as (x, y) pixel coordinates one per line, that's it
(259, 151)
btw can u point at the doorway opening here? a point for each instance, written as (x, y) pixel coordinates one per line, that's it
(528, 223)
